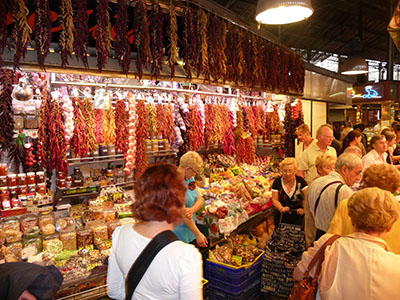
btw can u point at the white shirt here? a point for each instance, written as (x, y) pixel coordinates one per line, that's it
(326, 207)
(307, 160)
(175, 272)
(372, 158)
(358, 266)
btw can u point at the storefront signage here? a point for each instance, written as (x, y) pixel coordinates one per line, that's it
(368, 92)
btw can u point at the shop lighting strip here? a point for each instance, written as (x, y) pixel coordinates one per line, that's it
(139, 87)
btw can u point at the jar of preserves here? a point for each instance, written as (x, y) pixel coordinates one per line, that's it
(154, 145)
(68, 182)
(3, 181)
(32, 189)
(3, 170)
(21, 179)
(61, 183)
(22, 190)
(46, 223)
(40, 177)
(41, 189)
(12, 180)
(13, 192)
(30, 178)
(60, 175)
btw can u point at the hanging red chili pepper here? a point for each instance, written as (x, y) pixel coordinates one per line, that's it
(7, 116)
(4, 10)
(173, 38)
(142, 133)
(229, 141)
(121, 44)
(121, 126)
(210, 124)
(66, 40)
(142, 37)
(103, 33)
(78, 142)
(21, 33)
(42, 30)
(157, 39)
(81, 40)
(202, 62)
(190, 43)
(90, 121)
(43, 131)
(98, 129)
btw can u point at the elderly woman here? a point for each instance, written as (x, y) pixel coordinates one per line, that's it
(176, 271)
(190, 164)
(385, 177)
(360, 265)
(325, 164)
(288, 192)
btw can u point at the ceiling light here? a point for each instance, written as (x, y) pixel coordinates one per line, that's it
(283, 11)
(354, 65)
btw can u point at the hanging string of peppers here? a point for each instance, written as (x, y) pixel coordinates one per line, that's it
(289, 126)
(142, 37)
(142, 134)
(109, 125)
(229, 140)
(121, 44)
(157, 39)
(202, 62)
(7, 116)
(173, 38)
(21, 33)
(43, 130)
(152, 119)
(98, 127)
(78, 143)
(239, 132)
(210, 124)
(103, 33)
(42, 30)
(121, 126)
(90, 121)
(4, 10)
(190, 43)
(66, 40)
(81, 40)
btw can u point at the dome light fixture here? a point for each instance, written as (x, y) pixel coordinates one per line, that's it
(354, 65)
(276, 12)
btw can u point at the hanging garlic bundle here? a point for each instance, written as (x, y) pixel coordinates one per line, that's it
(68, 110)
(130, 155)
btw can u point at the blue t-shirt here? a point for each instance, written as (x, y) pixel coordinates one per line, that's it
(182, 231)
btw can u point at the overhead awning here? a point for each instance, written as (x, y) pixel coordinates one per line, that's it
(394, 27)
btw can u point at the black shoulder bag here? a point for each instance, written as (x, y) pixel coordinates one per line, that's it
(144, 260)
(324, 188)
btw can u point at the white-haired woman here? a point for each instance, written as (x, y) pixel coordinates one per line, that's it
(288, 193)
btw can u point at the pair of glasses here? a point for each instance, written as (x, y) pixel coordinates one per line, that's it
(195, 172)
(289, 172)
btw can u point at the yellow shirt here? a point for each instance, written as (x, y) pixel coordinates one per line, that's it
(341, 224)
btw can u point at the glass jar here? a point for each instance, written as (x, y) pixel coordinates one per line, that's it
(61, 183)
(30, 178)
(52, 243)
(68, 240)
(22, 190)
(111, 226)
(46, 223)
(3, 181)
(154, 145)
(12, 252)
(12, 231)
(60, 175)
(12, 180)
(32, 189)
(29, 223)
(109, 214)
(84, 238)
(3, 170)
(41, 189)
(40, 177)
(65, 224)
(13, 192)
(21, 179)
(100, 234)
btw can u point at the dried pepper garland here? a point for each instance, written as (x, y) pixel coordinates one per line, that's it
(4, 10)
(142, 134)
(98, 127)
(66, 40)
(165, 122)
(121, 126)
(81, 40)
(202, 62)
(21, 32)
(78, 142)
(289, 126)
(157, 39)
(57, 143)
(7, 116)
(216, 47)
(196, 134)
(142, 37)
(42, 30)
(109, 126)
(210, 124)
(190, 43)
(229, 140)
(121, 44)
(103, 33)
(90, 121)
(173, 38)
(43, 131)
(152, 119)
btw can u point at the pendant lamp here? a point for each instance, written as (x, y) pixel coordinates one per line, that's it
(354, 65)
(283, 11)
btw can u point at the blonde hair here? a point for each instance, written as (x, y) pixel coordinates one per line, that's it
(191, 159)
(373, 210)
(303, 128)
(288, 162)
(384, 176)
(324, 160)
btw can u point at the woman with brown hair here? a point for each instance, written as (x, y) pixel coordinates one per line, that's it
(176, 271)
(353, 138)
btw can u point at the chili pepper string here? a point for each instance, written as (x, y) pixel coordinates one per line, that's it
(90, 121)
(81, 40)
(66, 40)
(21, 33)
(121, 126)
(43, 131)
(103, 35)
(98, 129)
(4, 10)
(121, 44)
(173, 37)
(142, 134)
(42, 30)
(157, 39)
(229, 141)
(6, 113)
(78, 142)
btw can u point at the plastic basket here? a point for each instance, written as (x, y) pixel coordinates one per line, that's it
(232, 275)
(234, 289)
(251, 292)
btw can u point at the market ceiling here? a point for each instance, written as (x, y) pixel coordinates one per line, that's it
(332, 26)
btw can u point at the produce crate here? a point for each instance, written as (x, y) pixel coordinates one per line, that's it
(235, 289)
(250, 292)
(230, 274)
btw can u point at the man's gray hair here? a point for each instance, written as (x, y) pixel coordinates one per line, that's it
(349, 160)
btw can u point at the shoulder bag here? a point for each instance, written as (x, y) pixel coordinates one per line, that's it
(144, 260)
(306, 289)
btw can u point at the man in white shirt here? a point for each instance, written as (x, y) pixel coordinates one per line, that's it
(327, 191)
(307, 159)
(378, 154)
(304, 137)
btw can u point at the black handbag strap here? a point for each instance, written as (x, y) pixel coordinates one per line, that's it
(144, 260)
(319, 197)
(337, 193)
